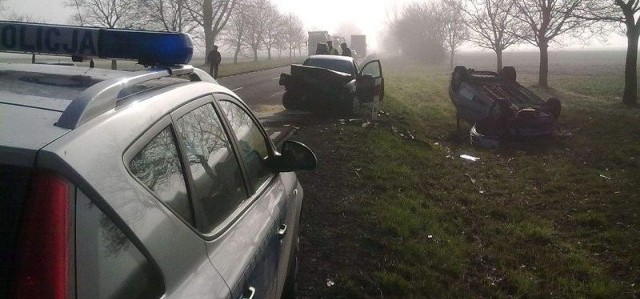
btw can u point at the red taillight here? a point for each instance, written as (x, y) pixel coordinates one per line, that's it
(43, 252)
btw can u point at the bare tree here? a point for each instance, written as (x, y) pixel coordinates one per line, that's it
(168, 15)
(627, 14)
(13, 16)
(256, 29)
(294, 34)
(455, 28)
(212, 16)
(420, 32)
(545, 20)
(107, 13)
(234, 32)
(493, 23)
(273, 27)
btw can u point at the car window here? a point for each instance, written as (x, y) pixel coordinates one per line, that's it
(158, 167)
(339, 65)
(251, 143)
(108, 264)
(372, 69)
(218, 184)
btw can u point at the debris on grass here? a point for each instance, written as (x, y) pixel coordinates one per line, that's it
(469, 158)
(330, 282)
(473, 181)
(605, 177)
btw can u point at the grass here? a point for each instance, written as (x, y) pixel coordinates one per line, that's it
(545, 218)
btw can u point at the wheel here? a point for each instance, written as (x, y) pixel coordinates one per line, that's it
(354, 108)
(554, 107)
(349, 104)
(290, 101)
(460, 73)
(509, 73)
(290, 285)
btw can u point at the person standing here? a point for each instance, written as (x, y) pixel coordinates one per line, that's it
(214, 58)
(332, 50)
(345, 51)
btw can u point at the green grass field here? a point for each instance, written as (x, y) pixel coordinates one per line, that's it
(545, 218)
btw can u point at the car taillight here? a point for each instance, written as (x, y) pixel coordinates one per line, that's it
(43, 253)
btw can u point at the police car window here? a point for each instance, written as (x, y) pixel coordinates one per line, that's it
(108, 264)
(251, 143)
(218, 184)
(158, 167)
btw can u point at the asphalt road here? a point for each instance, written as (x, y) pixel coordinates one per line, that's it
(261, 91)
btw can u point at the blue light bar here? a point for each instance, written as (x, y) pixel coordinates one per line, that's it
(147, 47)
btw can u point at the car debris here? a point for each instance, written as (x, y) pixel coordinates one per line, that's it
(498, 107)
(469, 158)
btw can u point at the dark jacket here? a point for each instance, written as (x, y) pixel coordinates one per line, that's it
(214, 57)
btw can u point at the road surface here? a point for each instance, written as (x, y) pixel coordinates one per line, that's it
(260, 90)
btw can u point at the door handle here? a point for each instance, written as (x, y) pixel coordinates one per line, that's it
(249, 293)
(282, 230)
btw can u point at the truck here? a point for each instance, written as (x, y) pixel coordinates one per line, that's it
(315, 38)
(359, 44)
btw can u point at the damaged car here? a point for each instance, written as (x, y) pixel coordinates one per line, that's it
(499, 107)
(331, 83)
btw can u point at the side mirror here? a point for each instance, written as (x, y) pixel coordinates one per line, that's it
(293, 156)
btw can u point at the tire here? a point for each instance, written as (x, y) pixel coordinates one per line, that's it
(349, 104)
(460, 74)
(509, 73)
(554, 107)
(290, 285)
(290, 101)
(354, 108)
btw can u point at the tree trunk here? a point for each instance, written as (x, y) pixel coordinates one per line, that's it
(630, 96)
(114, 64)
(255, 54)
(209, 36)
(499, 59)
(453, 53)
(268, 53)
(543, 74)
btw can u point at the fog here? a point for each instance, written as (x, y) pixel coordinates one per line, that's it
(336, 16)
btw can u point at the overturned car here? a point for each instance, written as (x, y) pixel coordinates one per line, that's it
(330, 83)
(499, 107)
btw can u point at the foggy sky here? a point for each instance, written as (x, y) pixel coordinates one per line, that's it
(329, 15)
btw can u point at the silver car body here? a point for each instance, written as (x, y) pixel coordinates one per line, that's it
(247, 254)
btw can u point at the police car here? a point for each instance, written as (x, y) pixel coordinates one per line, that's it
(151, 184)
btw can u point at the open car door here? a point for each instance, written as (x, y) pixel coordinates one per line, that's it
(370, 83)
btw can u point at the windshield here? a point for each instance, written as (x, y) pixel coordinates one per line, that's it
(344, 66)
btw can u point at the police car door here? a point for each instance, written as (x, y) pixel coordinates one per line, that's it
(278, 192)
(235, 225)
